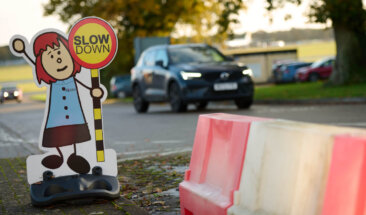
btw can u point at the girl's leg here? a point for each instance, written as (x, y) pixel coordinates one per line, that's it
(59, 151)
(78, 163)
(53, 161)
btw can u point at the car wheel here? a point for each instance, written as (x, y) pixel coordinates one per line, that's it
(175, 98)
(201, 105)
(244, 103)
(313, 77)
(139, 102)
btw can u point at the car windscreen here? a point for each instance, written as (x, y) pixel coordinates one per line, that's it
(318, 63)
(180, 55)
(8, 89)
(121, 78)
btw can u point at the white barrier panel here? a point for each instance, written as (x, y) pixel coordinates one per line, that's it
(286, 168)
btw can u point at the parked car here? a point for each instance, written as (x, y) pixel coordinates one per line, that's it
(120, 86)
(11, 93)
(321, 69)
(191, 73)
(287, 72)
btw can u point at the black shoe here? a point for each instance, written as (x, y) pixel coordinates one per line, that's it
(52, 161)
(78, 164)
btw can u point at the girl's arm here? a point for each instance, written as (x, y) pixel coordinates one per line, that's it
(95, 92)
(25, 53)
(18, 46)
(82, 84)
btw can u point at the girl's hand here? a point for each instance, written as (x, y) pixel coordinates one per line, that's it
(18, 45)
(97, 93)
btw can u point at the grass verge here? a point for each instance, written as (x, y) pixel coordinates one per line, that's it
(15, 73)
(39, 97)
(308, 91)
(30, 88)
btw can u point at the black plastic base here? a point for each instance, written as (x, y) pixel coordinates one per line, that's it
(65, 188)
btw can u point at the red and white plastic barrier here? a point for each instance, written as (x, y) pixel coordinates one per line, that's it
(216, 164)
(244, 165)
(346, 187)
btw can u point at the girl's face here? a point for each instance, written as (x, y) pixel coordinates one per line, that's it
(57, 62)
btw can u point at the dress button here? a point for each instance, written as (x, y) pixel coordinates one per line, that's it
(64, 97)
(65, 107)
(67, 116)
(63, 88)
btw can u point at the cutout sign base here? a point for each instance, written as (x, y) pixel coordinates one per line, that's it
(66, 188)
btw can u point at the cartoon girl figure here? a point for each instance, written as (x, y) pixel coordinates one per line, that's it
(65, 123)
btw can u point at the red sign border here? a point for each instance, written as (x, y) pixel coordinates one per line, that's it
(109, 28)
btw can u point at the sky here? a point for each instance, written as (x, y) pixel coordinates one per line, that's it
(256, 17)
(25, 17)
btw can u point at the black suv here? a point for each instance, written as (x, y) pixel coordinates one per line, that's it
(191, 73)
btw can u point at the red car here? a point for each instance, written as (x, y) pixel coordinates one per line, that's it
(321, 69)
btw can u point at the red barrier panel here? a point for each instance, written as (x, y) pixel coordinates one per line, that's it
(216, 164)
(346, 187)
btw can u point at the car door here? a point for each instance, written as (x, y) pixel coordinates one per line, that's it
(147, 73)
(160, 72)
(326, 69)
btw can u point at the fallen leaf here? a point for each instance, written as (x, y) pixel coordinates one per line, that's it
(158, 203)
(158, 190)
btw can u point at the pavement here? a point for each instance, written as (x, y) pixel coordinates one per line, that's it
(15, 196)
(148, 186)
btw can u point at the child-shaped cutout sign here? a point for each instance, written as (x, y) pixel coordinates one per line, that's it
(71, 134)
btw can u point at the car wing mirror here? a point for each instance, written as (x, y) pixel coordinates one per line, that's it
(160, 63)
(230, 57)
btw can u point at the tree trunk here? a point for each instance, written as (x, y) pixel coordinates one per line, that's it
(350, 62)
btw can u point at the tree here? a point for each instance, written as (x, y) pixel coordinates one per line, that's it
(349, 24)
(142, 18)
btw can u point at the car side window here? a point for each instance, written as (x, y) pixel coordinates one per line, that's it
(149, 59)
(162, 55)
(140, 62)
(328, 63)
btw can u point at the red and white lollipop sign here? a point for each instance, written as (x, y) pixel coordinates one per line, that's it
(93, 43)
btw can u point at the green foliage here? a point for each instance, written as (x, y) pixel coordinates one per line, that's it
(349, 13)
(144, 18)
(349, 24)
(5, 54)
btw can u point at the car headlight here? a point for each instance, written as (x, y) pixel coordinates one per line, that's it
(248, 72)
(6, 94)
(190, 75)
(16, 93)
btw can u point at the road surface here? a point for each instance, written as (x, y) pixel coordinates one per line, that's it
(158, 131)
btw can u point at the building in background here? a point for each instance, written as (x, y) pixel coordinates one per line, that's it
(262, 59)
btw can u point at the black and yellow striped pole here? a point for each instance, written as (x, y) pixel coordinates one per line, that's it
(98, 123)
(94, 45)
